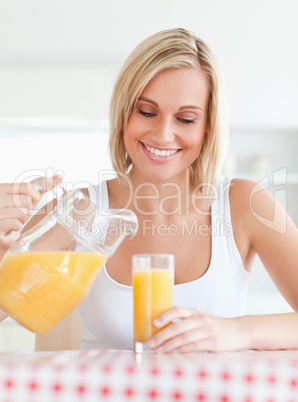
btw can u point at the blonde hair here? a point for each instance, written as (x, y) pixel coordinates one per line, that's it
(172, 48)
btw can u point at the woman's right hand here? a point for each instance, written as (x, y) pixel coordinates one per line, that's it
(17, 201)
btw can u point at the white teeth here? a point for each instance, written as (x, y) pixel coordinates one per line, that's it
(163, 152)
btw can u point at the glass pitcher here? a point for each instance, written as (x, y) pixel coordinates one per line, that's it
(50, 269)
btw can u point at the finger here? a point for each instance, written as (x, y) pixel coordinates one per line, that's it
(20, 201)
(204, 345)
(24, 201)
(19, 188)
(6, 240)
(16, 189)
(190, 337)
(47, 183)
(6, 225)
(173, 330)
(172, 314)
(20, 213)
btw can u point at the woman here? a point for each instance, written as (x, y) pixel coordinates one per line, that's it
(167, 142)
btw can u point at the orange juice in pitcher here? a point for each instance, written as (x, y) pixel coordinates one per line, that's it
(39, 288)
(50, 269)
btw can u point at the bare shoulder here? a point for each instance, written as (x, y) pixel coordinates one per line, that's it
(251, 198)
(259, 212)
(240, 189)
(252, 210)
(263, 226)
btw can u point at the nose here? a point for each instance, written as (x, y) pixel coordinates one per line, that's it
(163, 132)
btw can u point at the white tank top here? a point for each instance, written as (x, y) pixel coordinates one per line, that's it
(107, 311)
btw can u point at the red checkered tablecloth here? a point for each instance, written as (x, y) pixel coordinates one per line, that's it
(114, 375)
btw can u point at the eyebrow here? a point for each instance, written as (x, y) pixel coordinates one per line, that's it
(142, 98)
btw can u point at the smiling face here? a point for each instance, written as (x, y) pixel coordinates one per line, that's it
(166, 129)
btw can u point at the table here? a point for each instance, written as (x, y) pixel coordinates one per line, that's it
(120, 375)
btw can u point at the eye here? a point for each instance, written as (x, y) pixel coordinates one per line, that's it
(146, 114)
(187, 121)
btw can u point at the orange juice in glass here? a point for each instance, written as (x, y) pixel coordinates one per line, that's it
(153, 280)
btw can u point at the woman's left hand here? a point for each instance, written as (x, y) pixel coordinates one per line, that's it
(193, 331)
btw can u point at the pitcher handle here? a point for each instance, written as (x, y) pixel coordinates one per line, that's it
(37, 231)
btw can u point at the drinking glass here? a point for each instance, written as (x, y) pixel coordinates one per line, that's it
(153, 280)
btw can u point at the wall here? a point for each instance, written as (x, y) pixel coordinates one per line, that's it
(61, 57)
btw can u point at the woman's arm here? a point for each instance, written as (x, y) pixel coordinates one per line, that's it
(271, 234)
(194, 331)
(268, 230)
